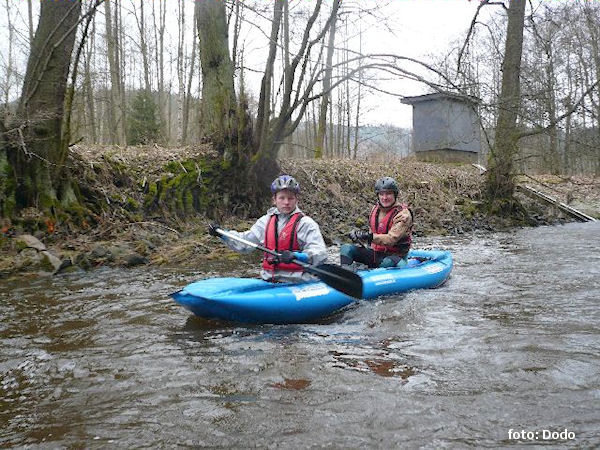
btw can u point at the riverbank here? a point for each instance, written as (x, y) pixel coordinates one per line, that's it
(338, 194)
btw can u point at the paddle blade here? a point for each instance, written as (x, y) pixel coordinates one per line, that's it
(340, 279)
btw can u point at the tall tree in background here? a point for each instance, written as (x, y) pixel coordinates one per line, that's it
(322, 124)
(116, 111)
(500, 176)
(297, 87)
(225, 121)
(36, 153)
(219, 109)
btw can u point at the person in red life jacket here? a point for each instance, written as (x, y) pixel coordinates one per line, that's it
(285, 229)
(390, 231)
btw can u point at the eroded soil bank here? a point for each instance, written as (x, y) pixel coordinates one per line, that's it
(144, 213)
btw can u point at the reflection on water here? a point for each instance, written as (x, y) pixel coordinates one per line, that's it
(510, 342)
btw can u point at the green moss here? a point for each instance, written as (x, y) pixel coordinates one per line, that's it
(152, 189)
(131, 204)
(188, 202)
(7, 187)
(46, 264)
(187, 186)
(172, 166)
(468, 209)
(150, 197)
(119, 166)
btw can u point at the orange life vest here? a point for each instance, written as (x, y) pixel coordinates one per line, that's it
(384, 226)
(287, 240)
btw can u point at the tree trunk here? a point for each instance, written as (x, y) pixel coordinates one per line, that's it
(144, 47)
(594, 40)
(89, 90)
(30, 21)
(37, 156)
(180, 69)
(358, 98)
(120, 39)
(188, 92)
(117, 134)
(261, 131)
(159, 43)
(9, 67)
(553, 154)
(500, 176)
(326, 89)
(218, 112)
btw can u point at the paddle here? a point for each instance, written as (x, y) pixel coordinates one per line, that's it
(337, 277)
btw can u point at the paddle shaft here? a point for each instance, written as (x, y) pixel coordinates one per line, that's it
(337, 277)
(259, 247)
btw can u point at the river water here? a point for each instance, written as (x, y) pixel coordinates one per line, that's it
(506, 353)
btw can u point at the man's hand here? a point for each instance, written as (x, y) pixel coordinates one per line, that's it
(361, 235)
(212, 229)
(287, 256)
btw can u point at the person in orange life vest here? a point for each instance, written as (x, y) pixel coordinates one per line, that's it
(390, 231)
(285, 229)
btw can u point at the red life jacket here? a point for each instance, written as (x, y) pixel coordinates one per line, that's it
(287, 240)
(384, 226)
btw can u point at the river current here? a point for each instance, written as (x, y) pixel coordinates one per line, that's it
(506, 353)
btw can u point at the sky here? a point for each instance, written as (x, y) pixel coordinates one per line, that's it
(414, 28)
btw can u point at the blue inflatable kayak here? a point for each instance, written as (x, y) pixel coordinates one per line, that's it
(251, 300)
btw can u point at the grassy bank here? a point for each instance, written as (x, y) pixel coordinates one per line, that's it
(152, 204)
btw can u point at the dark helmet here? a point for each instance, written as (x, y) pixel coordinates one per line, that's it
(386, 184)
(285, 182)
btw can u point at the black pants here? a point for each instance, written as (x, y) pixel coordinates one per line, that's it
(368, 256)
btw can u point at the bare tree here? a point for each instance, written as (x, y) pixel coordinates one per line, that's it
(159, 20)
(9, 63)
(141, 24)
(30, 17)
(181, 66)
(500, 176)
(116, 113)
(188, 90)
(88, 87)
(322, 123)
(218, 115)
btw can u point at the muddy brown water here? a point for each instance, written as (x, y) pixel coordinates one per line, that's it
(507, 352)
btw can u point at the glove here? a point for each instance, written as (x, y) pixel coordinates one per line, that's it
(286, 256)
(360, 235)
(212, 229)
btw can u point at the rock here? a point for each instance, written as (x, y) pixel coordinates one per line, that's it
(64, 264)
(52, 260)
(135, 259)
(118, 251)
(27, 240)
(26, 258)
(100, 252)
(82, 260)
